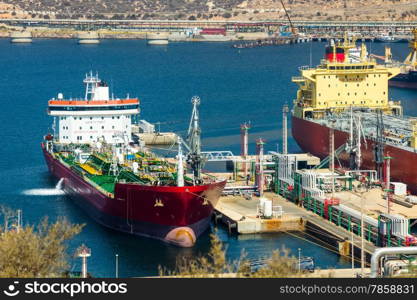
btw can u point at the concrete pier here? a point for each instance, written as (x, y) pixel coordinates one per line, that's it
(242, 216)
(158, 38)
(21, 37)
(90, 37)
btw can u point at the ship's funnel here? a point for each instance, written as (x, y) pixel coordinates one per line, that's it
(334, 53)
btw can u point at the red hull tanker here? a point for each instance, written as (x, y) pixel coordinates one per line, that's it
(120, 183)
(177, 215)
(351, 96)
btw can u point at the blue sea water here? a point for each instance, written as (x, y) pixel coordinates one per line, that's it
(234, 86)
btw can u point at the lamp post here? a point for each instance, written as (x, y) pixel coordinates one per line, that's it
(117, 265)
(362, 189)
(83, 252)
(299, 259)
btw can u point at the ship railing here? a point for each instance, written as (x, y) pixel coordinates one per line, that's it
(297, 78)
(302, 68)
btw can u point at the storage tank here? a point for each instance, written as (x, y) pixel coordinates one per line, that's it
(267, 208)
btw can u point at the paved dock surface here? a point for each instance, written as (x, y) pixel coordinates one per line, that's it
(375, 203)
(241, 214)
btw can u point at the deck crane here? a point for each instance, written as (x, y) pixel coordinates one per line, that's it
(194, 157)
(293, 30)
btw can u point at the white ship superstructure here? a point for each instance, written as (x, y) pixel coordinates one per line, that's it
(94, 118)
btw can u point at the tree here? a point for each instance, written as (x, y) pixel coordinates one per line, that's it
(213, 264)
(36, 252)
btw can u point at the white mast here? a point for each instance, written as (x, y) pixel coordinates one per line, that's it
(91, 83)
(180, 166)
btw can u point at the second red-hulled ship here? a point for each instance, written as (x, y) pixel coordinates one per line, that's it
(351, 96)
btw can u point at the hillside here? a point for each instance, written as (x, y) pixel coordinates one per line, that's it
(211, 9)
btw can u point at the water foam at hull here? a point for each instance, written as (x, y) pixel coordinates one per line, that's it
(57, 191)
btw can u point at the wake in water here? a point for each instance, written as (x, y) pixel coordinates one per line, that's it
(46, 192)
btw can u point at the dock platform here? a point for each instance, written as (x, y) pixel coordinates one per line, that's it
(240, 215)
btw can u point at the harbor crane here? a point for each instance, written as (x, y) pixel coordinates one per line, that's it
(293, 30)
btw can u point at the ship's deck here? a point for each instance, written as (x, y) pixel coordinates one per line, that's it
(106, 182)
(398, 129)
(103, 172)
